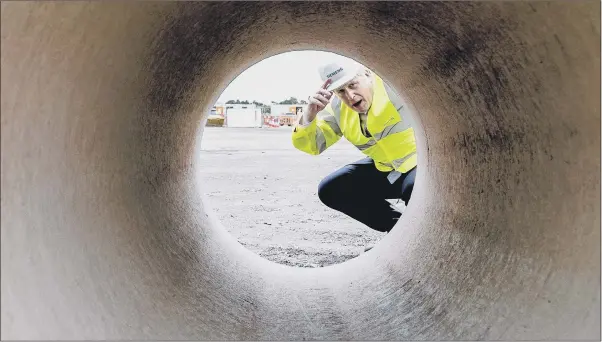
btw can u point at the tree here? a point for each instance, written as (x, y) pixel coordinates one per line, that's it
(291, 100)
(237, 101)
(303, 102)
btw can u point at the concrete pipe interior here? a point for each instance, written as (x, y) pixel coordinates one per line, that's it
(104, 235)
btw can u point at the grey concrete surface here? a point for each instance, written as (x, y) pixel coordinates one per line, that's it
(104, 233)
(264, 192)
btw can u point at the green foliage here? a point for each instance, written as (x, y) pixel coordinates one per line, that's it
(290, 100)
(237, 102)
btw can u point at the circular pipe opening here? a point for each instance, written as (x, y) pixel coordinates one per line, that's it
(260, 186)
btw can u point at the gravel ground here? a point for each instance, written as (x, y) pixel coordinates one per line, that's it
(264, 191)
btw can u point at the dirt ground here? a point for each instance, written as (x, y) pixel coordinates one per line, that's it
(264, 191)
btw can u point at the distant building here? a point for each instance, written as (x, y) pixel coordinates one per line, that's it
(217, 115)
(243, 115)
(219, 109)
(286, 113)
(286, 109)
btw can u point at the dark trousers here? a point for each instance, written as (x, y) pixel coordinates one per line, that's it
(359, 190)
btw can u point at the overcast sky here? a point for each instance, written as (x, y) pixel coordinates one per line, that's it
(279, 77)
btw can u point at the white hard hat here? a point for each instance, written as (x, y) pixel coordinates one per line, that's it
(339, 72)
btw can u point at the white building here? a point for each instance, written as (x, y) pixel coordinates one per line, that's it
(243, 115)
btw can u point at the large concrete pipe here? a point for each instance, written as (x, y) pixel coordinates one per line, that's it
(103, 229)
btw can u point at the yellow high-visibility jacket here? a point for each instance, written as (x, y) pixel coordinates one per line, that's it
(392, 145)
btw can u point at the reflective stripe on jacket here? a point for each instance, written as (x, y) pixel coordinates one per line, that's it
(392, 145)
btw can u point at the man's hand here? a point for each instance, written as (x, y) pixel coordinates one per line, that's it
(317, 102)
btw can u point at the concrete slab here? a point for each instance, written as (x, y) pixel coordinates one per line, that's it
(264, 192)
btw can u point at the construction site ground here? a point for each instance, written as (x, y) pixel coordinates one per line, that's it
(264, 192)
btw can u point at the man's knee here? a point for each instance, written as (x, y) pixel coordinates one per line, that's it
(328, 192)
(333, 190)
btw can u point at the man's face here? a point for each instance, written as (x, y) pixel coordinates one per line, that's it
(358, 92)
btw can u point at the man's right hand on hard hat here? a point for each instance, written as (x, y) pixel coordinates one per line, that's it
(317, 102)
(370, 115)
